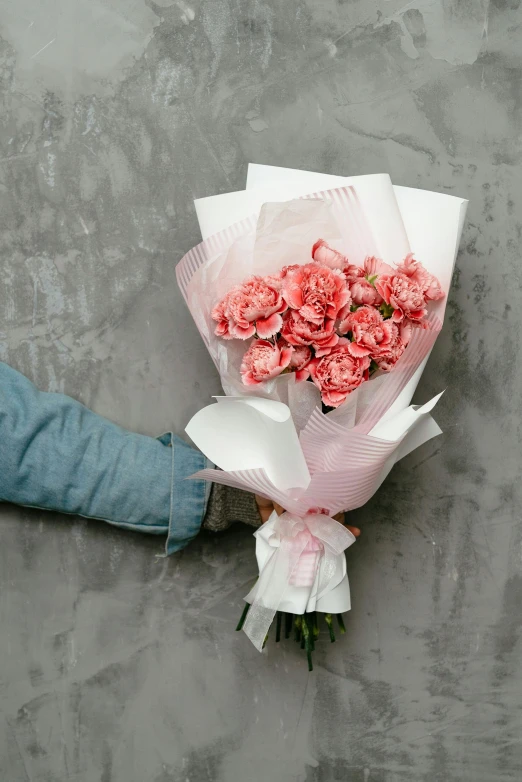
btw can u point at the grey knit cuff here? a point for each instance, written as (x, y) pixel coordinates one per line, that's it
(227, 505)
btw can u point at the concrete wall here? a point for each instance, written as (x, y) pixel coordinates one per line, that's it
(119, 666)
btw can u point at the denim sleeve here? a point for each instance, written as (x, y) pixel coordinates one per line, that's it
(57, 454)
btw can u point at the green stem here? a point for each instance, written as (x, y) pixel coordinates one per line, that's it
(297, 629)
(340, 620)
(307, 642)
(243, 617)
(288, 624)
(310, 625)
(328, 620)
(316, 627)
(278, 626)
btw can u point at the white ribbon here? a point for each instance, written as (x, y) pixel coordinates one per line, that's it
(306, 553)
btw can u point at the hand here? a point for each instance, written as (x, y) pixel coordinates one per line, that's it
(266, 508)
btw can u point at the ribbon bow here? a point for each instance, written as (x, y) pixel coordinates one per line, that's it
(307, 553)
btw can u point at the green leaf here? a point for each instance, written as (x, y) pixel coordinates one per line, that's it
(386, 310)
(372, 279)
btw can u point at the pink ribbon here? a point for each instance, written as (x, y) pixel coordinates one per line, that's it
(305, 549)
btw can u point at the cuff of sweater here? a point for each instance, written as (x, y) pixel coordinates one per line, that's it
(227, 505)
(188, 498)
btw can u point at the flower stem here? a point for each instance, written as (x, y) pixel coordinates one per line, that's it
(243, 617)
(288, 624)
(328, 620)
(278, 626)
(340, 621)
(297, 629)
(315, 625)
(307, 642)
(310, 626)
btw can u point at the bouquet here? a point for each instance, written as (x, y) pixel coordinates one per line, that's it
(328, 320)
(319, 318)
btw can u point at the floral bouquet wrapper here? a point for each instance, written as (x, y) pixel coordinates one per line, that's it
(273, 435)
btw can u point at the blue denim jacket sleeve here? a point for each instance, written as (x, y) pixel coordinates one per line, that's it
(57, 454)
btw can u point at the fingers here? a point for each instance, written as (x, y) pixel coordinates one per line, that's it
(262, 502)
(354, 530)
(265, 508)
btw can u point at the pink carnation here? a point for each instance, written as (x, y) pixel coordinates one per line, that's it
(403, 294)
(315, 291)
(371, 334)
(363, 292)
(427, 282)
(263, 361)
(219, 314)
(324, 254)
(374, 266)
(301, 357)
(358, 278)
(339, 373)
(275, 280)
(298, 331)
(388, 356)
(254, 306)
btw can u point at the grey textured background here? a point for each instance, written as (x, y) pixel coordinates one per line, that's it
(118, 666)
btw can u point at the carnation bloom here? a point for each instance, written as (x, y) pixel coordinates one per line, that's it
(263, 361)
(301, 357)
(339, 373)
(374, 266)
(219, 315)
(358, 278)
(363, 292)
(403, 294)
(371, 334)
(315, 291)
(427, 282)
(353, 272)
(324, 254)
(253, 306)
(388, 356)
(298, 331)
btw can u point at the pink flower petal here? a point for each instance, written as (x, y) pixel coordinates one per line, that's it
(242, 333)
(358, 350)
(286, 357)
(325, 348)
(293, 296)
(333, 398)
(248, 379)
(302, 374)
(267, 327)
